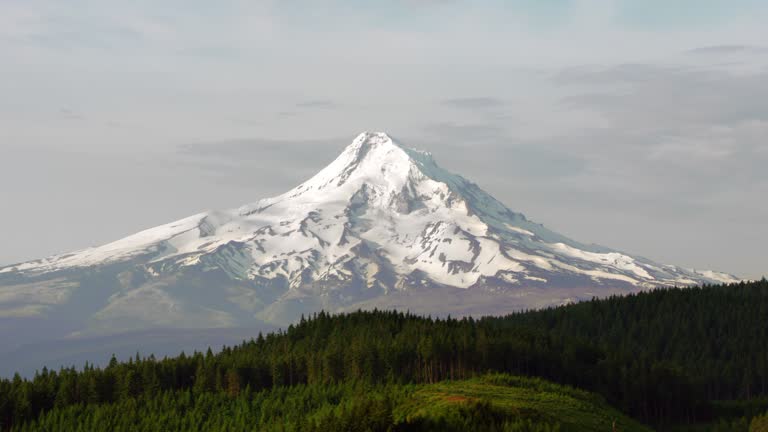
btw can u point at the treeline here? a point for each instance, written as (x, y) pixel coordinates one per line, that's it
(660, 356)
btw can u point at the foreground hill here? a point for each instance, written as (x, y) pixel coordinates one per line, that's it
(513, 403)
(487, 403)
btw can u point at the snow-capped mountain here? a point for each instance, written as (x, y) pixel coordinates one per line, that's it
(381, 226)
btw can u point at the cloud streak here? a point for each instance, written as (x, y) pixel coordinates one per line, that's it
(473, 103)
(728, 49)
(317, 104)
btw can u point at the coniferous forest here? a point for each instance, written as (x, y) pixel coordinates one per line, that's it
(673, 359)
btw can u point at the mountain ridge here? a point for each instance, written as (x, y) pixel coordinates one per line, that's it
(382, 223)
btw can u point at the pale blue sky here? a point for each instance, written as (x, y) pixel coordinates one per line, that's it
(641, 125)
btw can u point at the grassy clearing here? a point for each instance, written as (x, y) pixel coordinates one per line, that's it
(511, 401)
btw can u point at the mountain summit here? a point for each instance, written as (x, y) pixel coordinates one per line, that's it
(381, 226)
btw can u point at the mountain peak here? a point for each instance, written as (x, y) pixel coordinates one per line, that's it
(375, 159)
(372, 139)
(369, 141)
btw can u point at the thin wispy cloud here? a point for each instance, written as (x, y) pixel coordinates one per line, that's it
(728, 49)
(317, 104)
(474, 102)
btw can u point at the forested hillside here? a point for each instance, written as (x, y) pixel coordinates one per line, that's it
(662, 356)
(487, 403)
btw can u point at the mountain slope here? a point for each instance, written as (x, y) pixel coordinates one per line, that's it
(382, 225)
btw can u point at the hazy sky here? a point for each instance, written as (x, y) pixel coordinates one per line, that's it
(639, 125)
